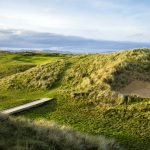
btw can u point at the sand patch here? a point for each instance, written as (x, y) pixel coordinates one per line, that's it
(140, 88)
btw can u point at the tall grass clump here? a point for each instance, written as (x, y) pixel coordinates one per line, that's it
(21, 134)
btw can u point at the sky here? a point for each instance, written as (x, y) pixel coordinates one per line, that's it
(115, 20)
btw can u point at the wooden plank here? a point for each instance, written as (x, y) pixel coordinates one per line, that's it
(26, 106)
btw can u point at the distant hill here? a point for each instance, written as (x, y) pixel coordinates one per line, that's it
(35, 50)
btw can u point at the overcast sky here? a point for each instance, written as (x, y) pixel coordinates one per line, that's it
(118, 20)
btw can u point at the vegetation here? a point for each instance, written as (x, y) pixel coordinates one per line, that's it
(46, 135)
(87, 94)
(40, 77)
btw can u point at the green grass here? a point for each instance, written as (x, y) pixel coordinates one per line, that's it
(131, 129)
(40, 77)
(12, 98)
(86, 92)
(11, 63)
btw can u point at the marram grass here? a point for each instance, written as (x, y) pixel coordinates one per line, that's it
(23, 134)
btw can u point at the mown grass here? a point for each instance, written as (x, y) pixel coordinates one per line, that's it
(12, 98)
(88, 98)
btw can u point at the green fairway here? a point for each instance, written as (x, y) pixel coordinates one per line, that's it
(11, 63)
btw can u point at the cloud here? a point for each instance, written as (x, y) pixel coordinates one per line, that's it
(137, 35)
(18, 39)
(97, 19)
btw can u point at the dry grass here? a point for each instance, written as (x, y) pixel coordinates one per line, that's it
(102, 76)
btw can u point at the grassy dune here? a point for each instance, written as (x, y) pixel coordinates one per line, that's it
(88, 94)
(39, 77)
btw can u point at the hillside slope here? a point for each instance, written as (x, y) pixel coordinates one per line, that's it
(101, 76)
(39, 77)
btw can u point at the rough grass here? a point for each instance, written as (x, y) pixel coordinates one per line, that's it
(128, 124)
(21, 134)
(88, 96)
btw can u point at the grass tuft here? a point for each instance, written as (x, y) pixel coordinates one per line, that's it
(46, 135)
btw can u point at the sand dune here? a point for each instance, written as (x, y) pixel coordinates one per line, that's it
(140, 88)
